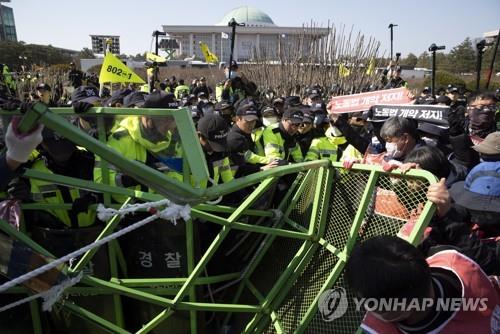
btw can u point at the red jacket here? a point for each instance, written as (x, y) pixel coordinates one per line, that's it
(475, 284)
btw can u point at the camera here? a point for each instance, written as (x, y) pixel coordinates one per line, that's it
(434, 47)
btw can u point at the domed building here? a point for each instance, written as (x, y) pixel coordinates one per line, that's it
(259, 34)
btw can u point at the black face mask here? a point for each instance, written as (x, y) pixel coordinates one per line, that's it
(360, 129)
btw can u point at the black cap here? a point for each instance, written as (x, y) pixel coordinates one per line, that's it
(87, 94)
(292, 101)
(117, 97)
(317, 107)
(248, 112)
(307, 117)
(444, 99)
(426, 90)
(269, 112)
(223, 105)
(294, 115)
(161, 100)
(134, 99)
(214, 128)
(278, 100)
(43, 86)
(314, 93)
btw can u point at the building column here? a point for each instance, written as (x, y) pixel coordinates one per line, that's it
(181, 47)
(191, 53)
(214, 50)
(257, 46)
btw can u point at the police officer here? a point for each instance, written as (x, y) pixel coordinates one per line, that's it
(57, 155)
(280, 138)
(75, 75)
(181, 90)
(225, 110)
(396, 80)
(305, 132)
(212, 133)
(327, 146)
(145, 139)
(243, 152)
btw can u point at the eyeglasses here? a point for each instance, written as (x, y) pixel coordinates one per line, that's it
(485, 108)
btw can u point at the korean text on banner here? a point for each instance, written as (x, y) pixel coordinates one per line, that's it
(363, 101)
(113, 70)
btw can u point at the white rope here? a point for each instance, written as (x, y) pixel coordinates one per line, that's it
(50, 296)
(217, 200)
(172, 212)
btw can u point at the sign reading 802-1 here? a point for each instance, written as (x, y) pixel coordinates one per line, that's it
(118, 71)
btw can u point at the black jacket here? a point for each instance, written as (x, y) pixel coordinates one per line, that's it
(239, 142)
(455, 231)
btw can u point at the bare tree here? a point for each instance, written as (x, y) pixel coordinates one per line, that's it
(337, 61)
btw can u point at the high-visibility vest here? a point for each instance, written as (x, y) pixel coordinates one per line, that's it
(50, 193)
(324, 148)
(274, 145)
(475, 284)
(180, 90)
(127, 140)
(219, 88)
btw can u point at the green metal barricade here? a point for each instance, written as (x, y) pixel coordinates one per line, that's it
(279, 261)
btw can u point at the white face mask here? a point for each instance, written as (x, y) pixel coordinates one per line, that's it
(430, 141)
(233, 75)
(269, 120)
(392, 150)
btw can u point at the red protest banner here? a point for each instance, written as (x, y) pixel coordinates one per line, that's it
(363, 101)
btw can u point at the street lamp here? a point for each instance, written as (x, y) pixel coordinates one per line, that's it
(433, 48)
(480, 46)
(391, 26)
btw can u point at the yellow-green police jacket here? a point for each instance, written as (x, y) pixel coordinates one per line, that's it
(274, 145)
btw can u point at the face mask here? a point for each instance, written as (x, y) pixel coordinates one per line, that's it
(392, 150)
(233, 75)
(430, 141)
(269, 121)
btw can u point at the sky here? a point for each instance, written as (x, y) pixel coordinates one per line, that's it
(68, 23)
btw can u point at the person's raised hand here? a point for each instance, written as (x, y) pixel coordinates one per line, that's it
(20, 146)
(438, 194)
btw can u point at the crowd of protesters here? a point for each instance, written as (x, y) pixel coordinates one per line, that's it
(242, 133)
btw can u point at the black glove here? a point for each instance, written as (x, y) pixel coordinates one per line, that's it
(11, 105)
(81, 107)
(456, 121)
(19, 189)
(81, 204)
(25, 106)
(128, 181)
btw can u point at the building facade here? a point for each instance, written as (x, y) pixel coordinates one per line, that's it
(257, 38)
(7, 24)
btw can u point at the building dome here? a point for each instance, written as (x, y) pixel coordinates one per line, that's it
(251, 16)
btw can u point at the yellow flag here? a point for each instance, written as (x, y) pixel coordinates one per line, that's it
(113, 70)
(344, 71)
(371, 67)
(209, 56)
(152, 57)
